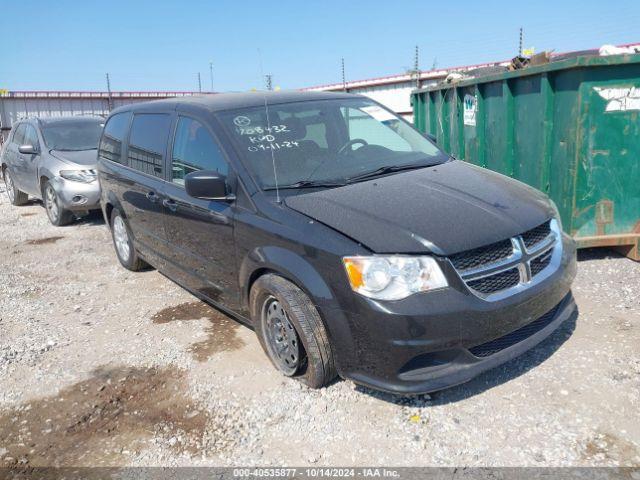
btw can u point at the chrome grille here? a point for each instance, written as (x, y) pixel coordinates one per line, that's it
(495, 283)
(540, 263)
(536, 235)
(481, 256)
(496, 270)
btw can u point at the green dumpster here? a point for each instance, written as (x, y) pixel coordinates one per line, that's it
(569, 128)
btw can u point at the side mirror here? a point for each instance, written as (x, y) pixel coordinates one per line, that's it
(207, 185)
(27, 149)
(431, 137)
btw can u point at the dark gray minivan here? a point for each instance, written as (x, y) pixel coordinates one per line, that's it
(350, 242)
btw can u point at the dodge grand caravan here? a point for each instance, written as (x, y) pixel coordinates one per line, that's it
(349, 242)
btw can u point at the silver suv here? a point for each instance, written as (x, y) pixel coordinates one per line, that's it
(54, 159)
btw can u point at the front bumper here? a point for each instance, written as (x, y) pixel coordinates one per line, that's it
(77, 195)
(424, 343)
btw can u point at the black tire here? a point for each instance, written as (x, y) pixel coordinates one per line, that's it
(16, 197)
(132, 261)
(57, 215)
(315, 366)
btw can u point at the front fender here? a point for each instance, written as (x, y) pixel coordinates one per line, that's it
(288, 264)
(298, 270)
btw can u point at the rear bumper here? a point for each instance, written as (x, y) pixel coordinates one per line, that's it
(77, 195)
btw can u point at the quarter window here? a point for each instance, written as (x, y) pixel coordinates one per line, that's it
(18, 136)
(31, 137)
(114, 132)
(148, 142)
(194, 149)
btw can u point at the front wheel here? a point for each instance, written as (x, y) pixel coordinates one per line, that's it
(291, 331)
(58, 216)
(16, 197)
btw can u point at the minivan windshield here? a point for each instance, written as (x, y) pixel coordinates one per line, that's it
(325, 142)
(72, 134)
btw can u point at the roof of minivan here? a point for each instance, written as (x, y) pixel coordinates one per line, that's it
(230, 101)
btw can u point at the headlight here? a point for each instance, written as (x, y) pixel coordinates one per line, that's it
(84, 176)
(556, 213)
(387, 277)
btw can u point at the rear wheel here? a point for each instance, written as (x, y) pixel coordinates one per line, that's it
(123, 243)
(291, 331)
(58, 216)
(16, 197)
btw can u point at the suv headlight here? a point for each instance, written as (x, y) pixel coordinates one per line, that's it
(393, 277)
(84, 176)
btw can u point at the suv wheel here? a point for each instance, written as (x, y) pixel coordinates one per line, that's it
(16, 197)
(125, 251)
(58, 216)
(291, 331)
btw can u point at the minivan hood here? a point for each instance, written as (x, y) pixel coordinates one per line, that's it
(85, 158)
(443, 209)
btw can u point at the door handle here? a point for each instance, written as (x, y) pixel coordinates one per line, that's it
(170, 204)
(152, 197)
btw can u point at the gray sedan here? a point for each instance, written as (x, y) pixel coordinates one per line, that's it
(54, 159)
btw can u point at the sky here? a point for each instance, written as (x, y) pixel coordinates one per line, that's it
(162, 45)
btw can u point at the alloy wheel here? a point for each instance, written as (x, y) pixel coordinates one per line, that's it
(51, 203)
(282, 339)
(121, 238)
(8, 182)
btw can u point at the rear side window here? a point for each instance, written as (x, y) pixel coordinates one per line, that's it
(148, 142)
(114, 133)
(194, 149)
(18, 136)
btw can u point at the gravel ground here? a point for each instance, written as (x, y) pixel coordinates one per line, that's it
(101, 366)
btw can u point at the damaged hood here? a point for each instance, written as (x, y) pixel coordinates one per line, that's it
(443, 209)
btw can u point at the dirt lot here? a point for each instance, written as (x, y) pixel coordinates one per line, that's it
(101, 366)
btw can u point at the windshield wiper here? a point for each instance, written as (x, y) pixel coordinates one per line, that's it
(307, 184)
(386, 169)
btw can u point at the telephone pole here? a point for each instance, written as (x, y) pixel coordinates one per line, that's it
(344, 81)
(199, 83)
(109, 100)
(211, 75)
(520, 45)
(416, 67)
(269, 81)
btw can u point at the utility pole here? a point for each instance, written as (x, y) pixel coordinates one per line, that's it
(344, 81)
(109, 100)
(434, 65)
(269, 81)
(416, 67)
(199, 83)
(211, 75)
(520, 45)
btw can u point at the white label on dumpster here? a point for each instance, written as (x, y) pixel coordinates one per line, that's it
(470, 108)
(620, 99)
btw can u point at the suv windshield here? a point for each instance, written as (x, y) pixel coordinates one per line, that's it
(76, 134)
(326, 142)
